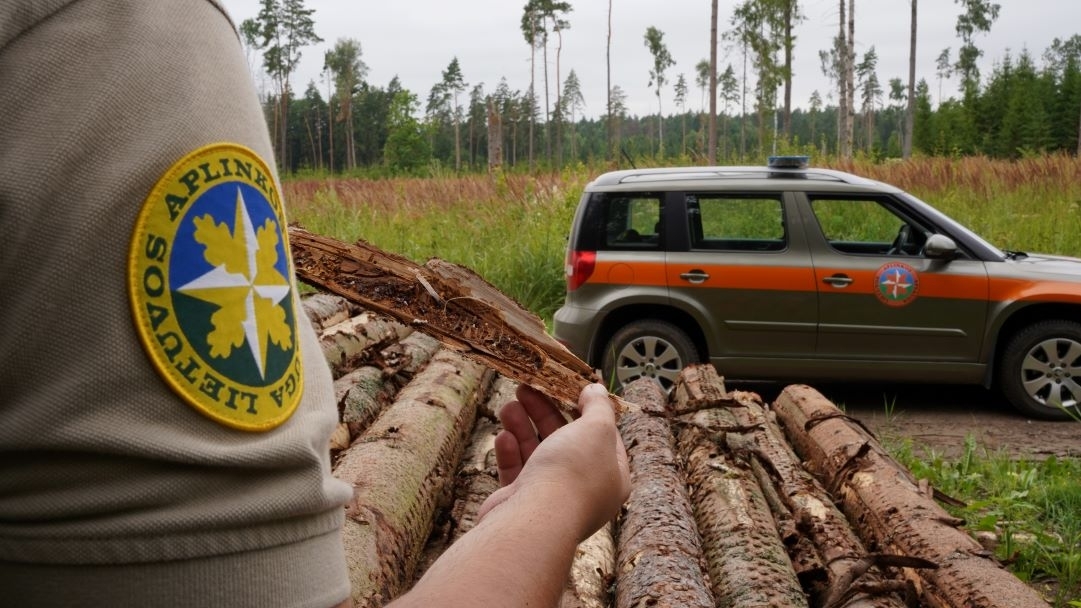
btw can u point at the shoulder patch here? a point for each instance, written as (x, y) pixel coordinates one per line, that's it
(209, 282)
(896, 284)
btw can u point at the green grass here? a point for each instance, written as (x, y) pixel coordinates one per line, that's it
(1032, 507)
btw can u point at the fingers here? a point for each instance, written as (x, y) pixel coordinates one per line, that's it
(508, 457)
(542, 411)
(516, 421)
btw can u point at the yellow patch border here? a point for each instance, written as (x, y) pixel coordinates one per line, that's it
(245, 408)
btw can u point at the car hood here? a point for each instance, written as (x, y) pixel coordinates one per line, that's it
(1050, 264)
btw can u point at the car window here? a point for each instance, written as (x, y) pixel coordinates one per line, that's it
(632, 222)
(736, 223)
(866, 226)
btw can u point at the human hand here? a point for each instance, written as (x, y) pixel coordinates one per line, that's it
(579, 467)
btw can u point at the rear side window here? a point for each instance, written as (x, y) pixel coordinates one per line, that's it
(632, 222)
(736, 223)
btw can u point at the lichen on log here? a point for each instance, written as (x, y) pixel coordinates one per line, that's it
(399, 469)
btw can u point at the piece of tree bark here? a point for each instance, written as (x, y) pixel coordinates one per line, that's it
(399, 469)
(894, 516)
(659, 559)
(448, 302)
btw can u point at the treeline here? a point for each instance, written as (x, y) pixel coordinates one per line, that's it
(1026, 107)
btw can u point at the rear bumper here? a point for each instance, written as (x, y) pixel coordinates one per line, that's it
(575, 327)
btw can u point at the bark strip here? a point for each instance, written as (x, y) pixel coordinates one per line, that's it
(659, 553)
(399, 468)
(447, 301)
(892, 514)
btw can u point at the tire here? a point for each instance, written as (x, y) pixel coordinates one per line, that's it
(648, 348)
(1040, 370)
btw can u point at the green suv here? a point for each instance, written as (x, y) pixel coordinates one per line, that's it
(795, 273)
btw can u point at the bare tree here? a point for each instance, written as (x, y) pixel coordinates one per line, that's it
(713, 84)
(910, 107)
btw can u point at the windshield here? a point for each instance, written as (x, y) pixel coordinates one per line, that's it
(955, 228)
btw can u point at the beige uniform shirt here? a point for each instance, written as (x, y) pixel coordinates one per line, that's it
(164, 408)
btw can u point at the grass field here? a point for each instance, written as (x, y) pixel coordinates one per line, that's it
(512, 230)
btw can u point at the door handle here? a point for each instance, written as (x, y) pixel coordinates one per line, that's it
(695, 276)
(839, 281)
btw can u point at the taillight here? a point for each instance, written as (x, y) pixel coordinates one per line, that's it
(579, 267)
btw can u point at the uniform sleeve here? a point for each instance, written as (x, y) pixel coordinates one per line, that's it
(149, 315)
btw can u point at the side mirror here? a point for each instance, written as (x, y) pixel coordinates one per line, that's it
(940, 247)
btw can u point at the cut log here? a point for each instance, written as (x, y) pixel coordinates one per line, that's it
(659, 560)
(351, 343)
(399, 469)
(325, 309)
(447, 301)
(592, 572)
(748, 563)
(365, 392)
(891, 512)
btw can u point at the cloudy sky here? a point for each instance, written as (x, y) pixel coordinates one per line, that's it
(415, 40)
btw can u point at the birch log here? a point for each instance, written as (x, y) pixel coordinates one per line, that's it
(399, 469)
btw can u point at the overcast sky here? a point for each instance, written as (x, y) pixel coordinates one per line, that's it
(415, 40)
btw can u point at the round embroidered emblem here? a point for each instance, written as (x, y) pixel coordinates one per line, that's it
(896, 284)
(208, 279)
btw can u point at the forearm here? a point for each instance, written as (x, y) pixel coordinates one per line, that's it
(518, 555)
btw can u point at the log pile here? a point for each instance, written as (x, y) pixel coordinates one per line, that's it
(734, 502)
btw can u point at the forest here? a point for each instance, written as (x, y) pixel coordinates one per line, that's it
(1027, 105)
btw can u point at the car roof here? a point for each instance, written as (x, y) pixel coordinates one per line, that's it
(733, 178)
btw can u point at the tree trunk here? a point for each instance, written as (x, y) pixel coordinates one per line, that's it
(659, 556)
(495, 138)
(896, 516)
(910, 108)
(850, 79)
(786, 127)
(608, 89)
(398, 470)
(713, 83)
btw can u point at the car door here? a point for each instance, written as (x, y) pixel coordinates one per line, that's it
(880, 298)
(747, 276)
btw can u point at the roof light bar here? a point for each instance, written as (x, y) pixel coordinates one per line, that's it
(789, 162)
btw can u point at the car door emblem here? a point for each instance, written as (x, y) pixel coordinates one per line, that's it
(896, 284)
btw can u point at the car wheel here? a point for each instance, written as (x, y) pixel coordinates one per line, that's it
(648, 348)
(1040, 371)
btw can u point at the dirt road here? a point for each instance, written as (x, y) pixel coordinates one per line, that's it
(940, 417)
